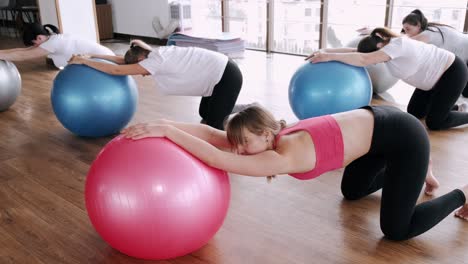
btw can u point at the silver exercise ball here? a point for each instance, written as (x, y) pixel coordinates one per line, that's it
(381, 78)
(10, 84)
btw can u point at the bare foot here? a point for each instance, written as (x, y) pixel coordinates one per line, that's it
(463, 212)
(431, 182)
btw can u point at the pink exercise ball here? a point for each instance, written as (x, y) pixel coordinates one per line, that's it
(151, 199)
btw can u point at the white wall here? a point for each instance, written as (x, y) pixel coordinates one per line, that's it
(78, 18)
(48, 12)
(134, 17)
(74, 17)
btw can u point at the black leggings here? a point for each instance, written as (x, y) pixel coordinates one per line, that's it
(465, 91)
(215, 108)
(437, 104)
(397, 162)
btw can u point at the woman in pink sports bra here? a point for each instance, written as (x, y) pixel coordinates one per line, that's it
(380, 147)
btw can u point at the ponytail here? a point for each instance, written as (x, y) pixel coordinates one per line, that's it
(51, 28)
(416, 17)
(282, 125)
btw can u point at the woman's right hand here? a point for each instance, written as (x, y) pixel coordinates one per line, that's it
(136, 42)
(364, 31)
(312, 55)
(318, 56)
(77, 59)
(144, 130)
(141, 44)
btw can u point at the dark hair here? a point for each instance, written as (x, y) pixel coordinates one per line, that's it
(134, 54)
(378, 35)
(416, 17)
(31, 31)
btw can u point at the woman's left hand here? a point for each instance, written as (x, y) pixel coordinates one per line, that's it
(145, 130)
(318, 56)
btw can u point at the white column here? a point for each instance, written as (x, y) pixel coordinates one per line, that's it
(78, 18)
(48, 12)
(324, 25)
(135, 17)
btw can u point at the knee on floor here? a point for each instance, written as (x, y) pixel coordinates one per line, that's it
(394, 233)
(351, 195)
(434, 124)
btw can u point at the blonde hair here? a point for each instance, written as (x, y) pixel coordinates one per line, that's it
(255, 119)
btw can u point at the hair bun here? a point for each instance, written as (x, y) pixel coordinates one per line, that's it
(417, 12)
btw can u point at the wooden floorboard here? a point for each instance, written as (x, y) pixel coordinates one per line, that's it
(43, 169)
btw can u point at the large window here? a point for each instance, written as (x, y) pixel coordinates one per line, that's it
(296, 25)
(247, 18)
(450, 12)
(206, 15)
(347, 16)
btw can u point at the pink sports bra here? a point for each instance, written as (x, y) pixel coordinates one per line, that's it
(328, 140)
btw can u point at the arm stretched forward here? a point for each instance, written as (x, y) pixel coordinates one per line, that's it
(264, 164)
(128, 69)
(353, 58)
(23, 54)
(114, 58)
(335, 50)
(213, 136)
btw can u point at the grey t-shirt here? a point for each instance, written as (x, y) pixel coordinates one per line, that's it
(453, 41)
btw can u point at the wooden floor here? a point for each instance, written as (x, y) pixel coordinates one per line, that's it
(43, 169)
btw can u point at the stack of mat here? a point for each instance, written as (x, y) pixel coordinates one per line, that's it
(226, 43)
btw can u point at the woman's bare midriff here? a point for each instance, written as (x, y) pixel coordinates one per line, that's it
(357, 129)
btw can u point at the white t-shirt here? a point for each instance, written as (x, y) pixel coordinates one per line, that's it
(453, 41)
(187, 71)
(61, 47)
(416, 63)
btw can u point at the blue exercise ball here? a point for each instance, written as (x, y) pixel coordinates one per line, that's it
(91, 103)
(380, 75)
(318, 89)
